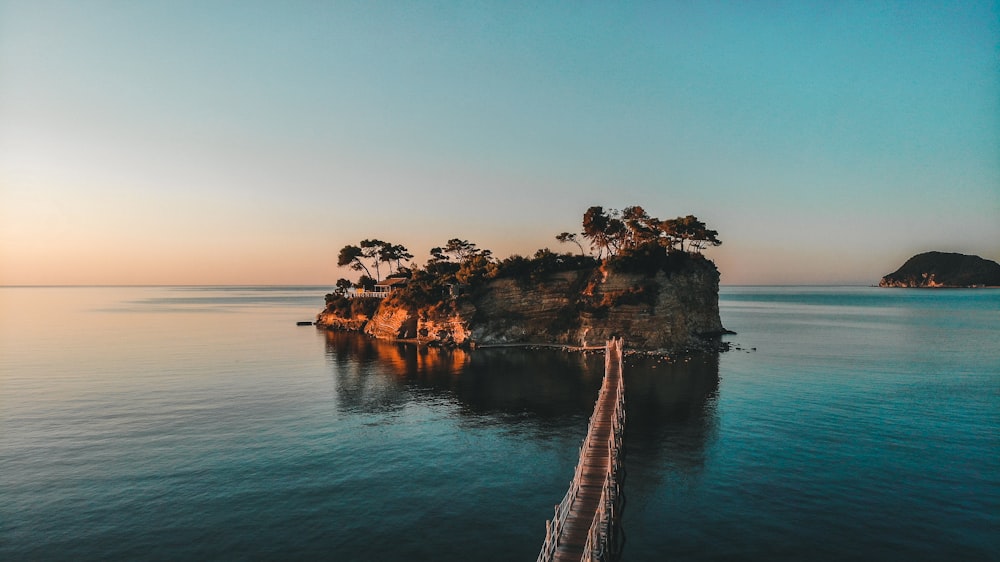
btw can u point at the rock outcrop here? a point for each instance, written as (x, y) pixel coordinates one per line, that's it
(332, 321)
(667, 311)
(660, 310)
(392, 322)
(940, 269)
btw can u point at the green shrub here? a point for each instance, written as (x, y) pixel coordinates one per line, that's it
(544, 264)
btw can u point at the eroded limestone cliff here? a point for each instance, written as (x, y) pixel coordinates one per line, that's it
(662, 310)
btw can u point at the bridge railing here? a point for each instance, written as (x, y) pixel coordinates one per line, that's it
(599, 537)
(599, 543)
(361, 294)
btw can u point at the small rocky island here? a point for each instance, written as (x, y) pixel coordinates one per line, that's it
(941, 269)
(645, 279)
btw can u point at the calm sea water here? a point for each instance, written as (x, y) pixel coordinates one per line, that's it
(201, 423)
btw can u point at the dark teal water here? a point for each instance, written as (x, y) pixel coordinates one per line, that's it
(865, 426)
(201, 423)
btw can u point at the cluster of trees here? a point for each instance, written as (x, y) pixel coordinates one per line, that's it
(459, 251)
(378, 252)
(630, 237)
(615, 232)
(448, 273)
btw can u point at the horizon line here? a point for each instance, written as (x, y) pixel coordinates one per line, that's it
(248, 285)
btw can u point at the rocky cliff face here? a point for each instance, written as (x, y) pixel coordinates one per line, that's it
(332, 321)
(391, 322)
(663, 312)
(544, 312)
(660, 311)
(940, 269)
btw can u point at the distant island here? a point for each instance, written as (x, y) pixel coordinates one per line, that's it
(644, 279)
(941, 269)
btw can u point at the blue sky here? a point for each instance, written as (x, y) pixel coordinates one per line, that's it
(246, 142)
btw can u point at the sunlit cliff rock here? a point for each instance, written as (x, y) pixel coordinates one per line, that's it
(668, 308)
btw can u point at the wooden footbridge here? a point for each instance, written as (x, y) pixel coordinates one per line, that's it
(584, 525)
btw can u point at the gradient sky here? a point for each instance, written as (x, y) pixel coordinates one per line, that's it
(218, 142)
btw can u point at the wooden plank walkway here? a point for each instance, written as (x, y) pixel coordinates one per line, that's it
(584, 520)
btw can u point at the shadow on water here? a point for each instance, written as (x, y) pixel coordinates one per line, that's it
(672, 416)
(672, 423)
(375, 375)
(671, 406)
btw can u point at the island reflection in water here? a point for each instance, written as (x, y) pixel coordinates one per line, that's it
(671, 406)
(672, 418)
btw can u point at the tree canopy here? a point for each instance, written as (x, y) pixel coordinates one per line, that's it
(692, 232)
(570, 237)
(613, 232)
(460, 250)
(378, 252)
(350, 256)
